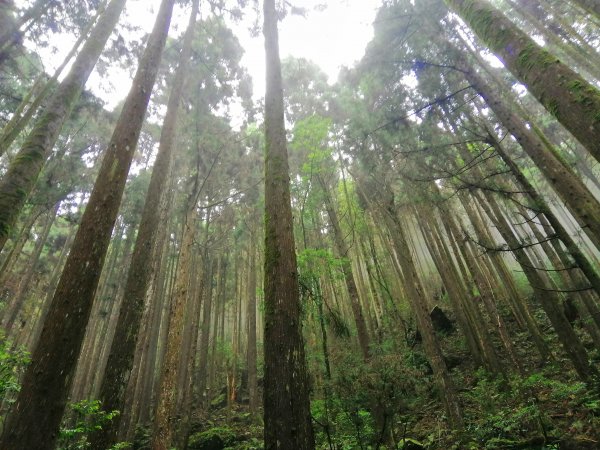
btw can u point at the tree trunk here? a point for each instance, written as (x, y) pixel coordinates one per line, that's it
(19, 121)
(576, 196)
(590, 6)
(416, 297)
(343, 252)
(288, 422)
(121, 356)
(541, 206)
(565, 94)
(251, 324)
(547, 298)
(47, 381)
(168, 390)
(24, 169)
(16, 305)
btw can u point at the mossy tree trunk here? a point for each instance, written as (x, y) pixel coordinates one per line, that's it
(591, 6)
(564, 93)
(164, 423)
(24, 169)
(251, 324)
(47, 380)
(344, 252)
(288, 422)
(572, 191)
(122, 352)
(543, 291)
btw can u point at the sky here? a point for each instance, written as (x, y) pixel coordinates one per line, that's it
(333, 37)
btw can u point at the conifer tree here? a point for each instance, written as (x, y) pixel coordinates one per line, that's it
(47, 381)
(286, 402)
(564, 93)
(18, 181)
(122, 351)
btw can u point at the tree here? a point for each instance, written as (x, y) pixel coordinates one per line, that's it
(565, 94)
(18, 181)
(121, 356)
(41, 403)
(590, 6)
(286, 398)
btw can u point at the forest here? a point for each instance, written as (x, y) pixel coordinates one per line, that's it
(404, 257)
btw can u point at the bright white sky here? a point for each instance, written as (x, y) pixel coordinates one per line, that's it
(334, 37)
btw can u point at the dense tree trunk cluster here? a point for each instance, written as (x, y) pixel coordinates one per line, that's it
(428, 258)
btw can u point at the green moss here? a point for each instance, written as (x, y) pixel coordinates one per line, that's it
(553, 107)
(30, 155)
(216, 438)
(533, 58)
(484, 22)
(525, 58)
(585, 94)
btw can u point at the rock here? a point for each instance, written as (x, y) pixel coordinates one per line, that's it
(441, 322)
(216, 438)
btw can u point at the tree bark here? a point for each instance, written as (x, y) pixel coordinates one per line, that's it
(121, 355)
(47, 381)
(251, 324)
(590, 6)
(343, 252)
(288, 422)
(572, 191)
(547, 298)
(168, 389)
(565, 94)
(24, 169)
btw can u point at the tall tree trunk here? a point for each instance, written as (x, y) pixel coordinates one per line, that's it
(24, 169)
(251, 324)
(288, 423)
(518, 307)
(47, 381)
(19, 121)
(590, 6)
(565, 94)
(37, 328)
(413, 286)
(572, 191)
(478, 345)
(121, 355)
(164, 425)
(544, 293)
(17, 303)
(343, 252)
(542, 206)
(202, 372)
(579, 53)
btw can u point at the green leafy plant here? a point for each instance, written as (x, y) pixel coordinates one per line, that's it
(12, 365)
(83, 418)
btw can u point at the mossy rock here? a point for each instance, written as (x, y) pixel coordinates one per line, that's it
(217, 438)
(410, 444)
(219, 402)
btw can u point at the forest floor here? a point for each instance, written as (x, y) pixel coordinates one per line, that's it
(546, 408)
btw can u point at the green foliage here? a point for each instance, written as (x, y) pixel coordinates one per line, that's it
(512, 410)
(365, 403)
(213, 439)
(12, 365)
(83, 418)
(318, 262)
